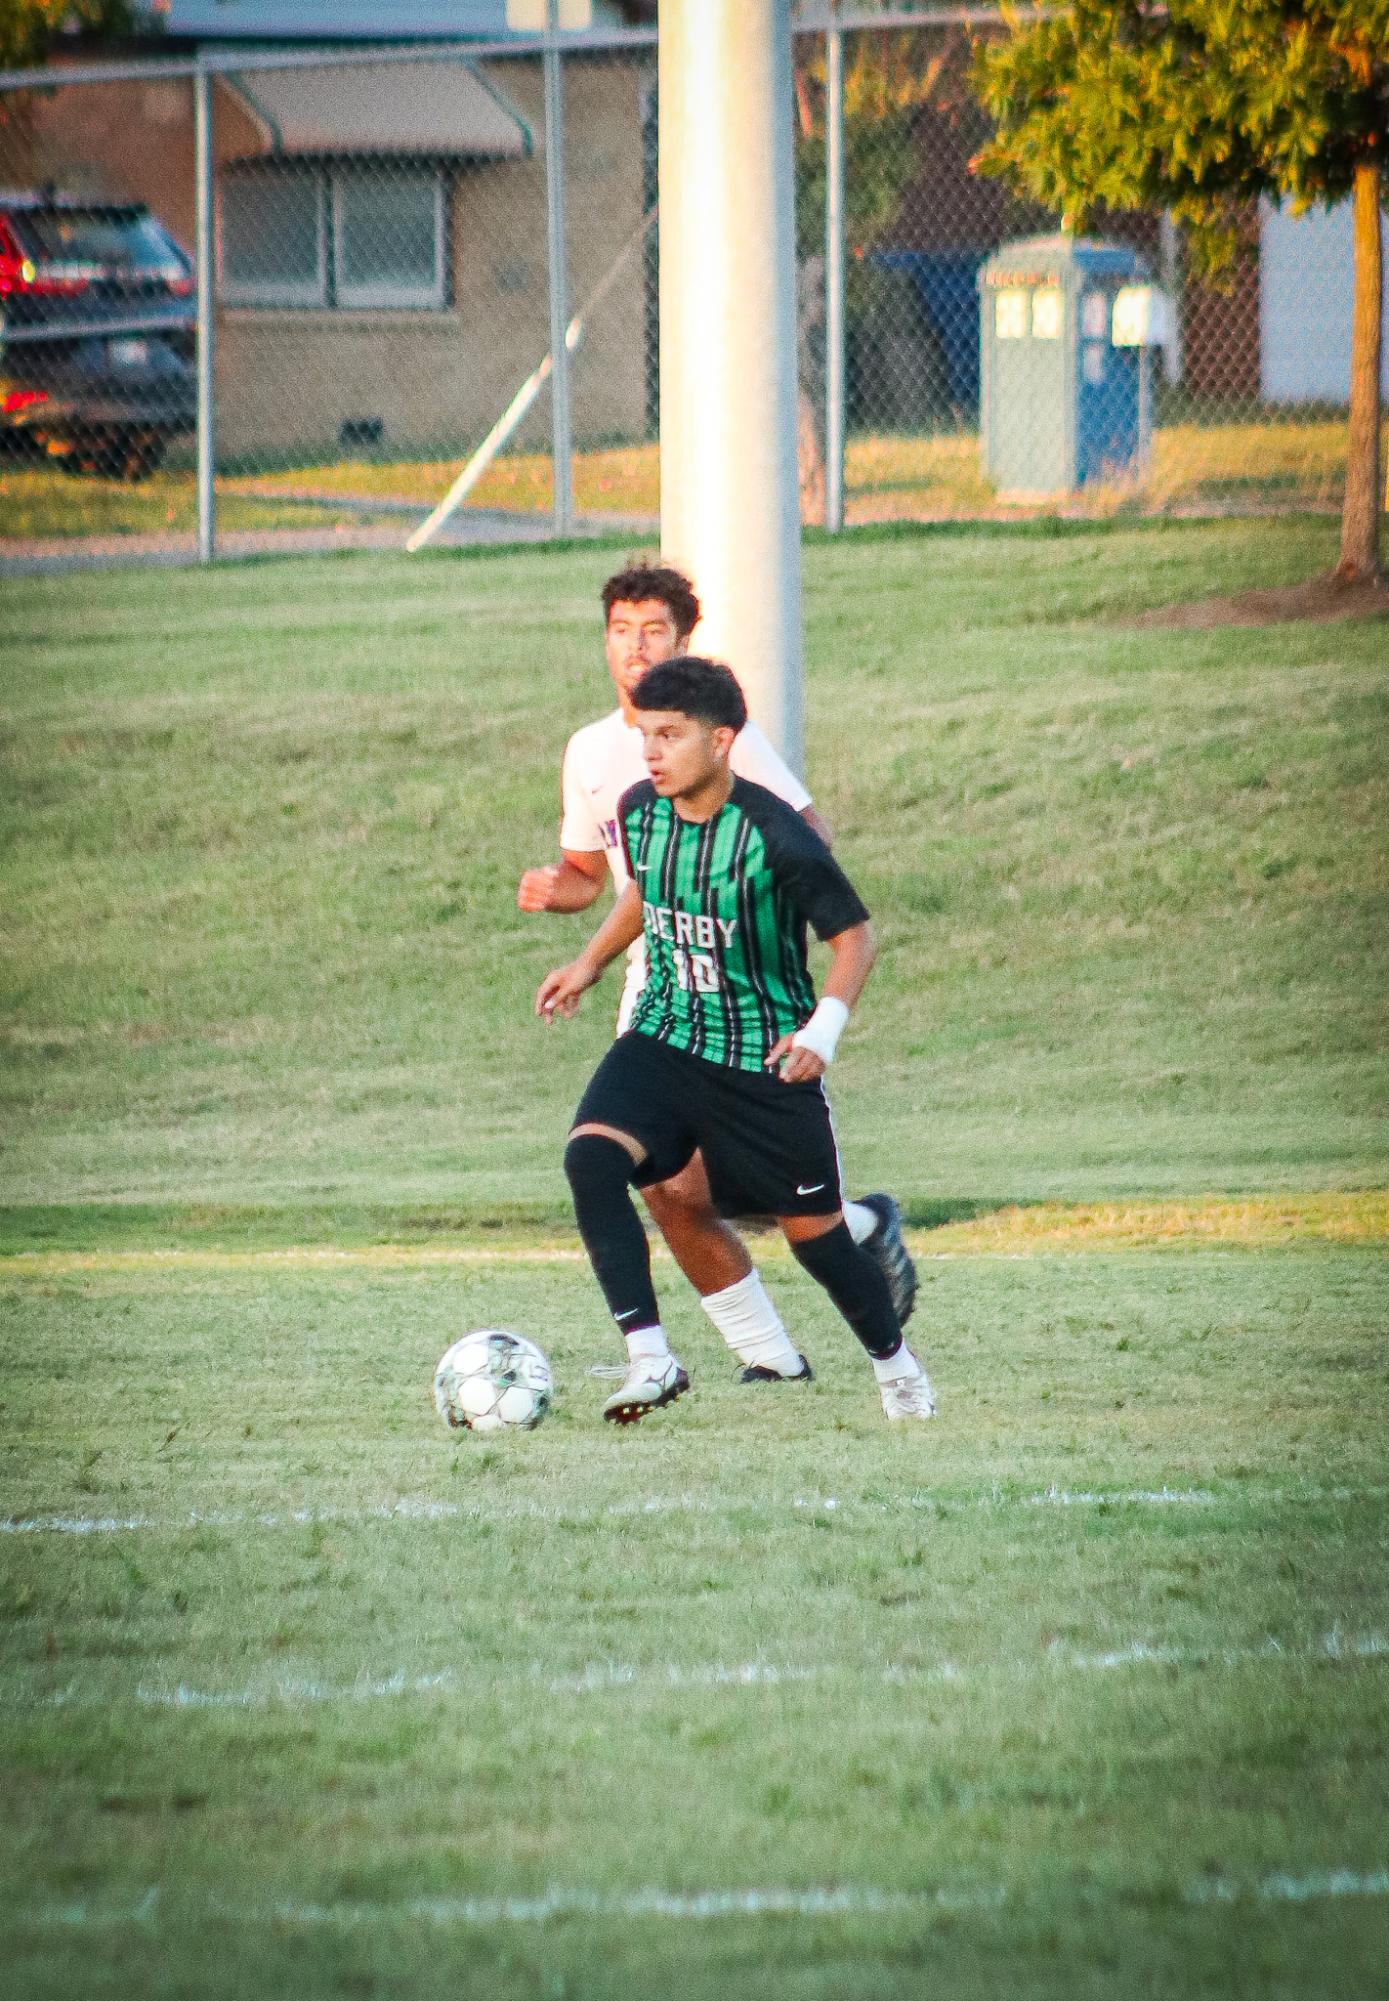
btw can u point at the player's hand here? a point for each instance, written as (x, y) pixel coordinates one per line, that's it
(560, 991)
(537, 887)
(797, 1064)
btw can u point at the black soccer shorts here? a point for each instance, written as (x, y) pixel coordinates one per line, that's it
(768, 1147)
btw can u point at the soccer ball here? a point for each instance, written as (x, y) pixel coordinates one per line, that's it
(493, 1381)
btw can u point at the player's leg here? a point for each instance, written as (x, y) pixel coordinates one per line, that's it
(627, 1131)
(875, 1222)
(773, 1145)
(708, 1250)
(714, 1259)
(823, 1246)
(600, 1162)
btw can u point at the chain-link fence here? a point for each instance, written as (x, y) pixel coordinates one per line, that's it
(410, 296)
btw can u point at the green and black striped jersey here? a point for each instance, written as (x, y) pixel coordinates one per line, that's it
(725, 905)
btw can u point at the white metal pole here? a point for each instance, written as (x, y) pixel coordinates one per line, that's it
(562, 441)
(206, 247)
(834, 277)
(730, 501)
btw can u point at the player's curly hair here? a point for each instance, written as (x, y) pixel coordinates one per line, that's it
(642, 580)
(704, 689)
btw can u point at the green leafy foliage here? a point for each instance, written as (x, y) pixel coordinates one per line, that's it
(1197, 107)
(29, 27)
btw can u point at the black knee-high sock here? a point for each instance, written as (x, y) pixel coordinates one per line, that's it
(856, 1285)
(600, 1173)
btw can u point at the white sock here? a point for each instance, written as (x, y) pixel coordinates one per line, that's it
(896, 1368)
(647, 1344)
(752, 1327)
(861, 1220)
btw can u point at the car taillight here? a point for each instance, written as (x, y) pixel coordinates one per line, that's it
(15, 400)
(181, 285)
(21, 277)
(11, 263)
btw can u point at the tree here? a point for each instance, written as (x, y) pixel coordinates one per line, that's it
(1200, 107)
(28, 28)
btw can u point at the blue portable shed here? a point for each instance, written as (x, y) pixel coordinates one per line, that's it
(1063, 405)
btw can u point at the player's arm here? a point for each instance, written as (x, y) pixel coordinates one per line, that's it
(560, 991)
(572, 883)
(806, 1055)
(818, 824)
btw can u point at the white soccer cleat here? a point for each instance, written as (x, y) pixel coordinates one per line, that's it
(908, 1396)
(650, 1381)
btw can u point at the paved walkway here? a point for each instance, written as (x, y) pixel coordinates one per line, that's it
(469, 528)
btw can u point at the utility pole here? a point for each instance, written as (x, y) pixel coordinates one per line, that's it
(730, 500)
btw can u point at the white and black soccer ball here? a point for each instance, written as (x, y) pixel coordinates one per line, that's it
(493, 1381)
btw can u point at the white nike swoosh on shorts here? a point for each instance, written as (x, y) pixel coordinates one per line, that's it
(814, 1188)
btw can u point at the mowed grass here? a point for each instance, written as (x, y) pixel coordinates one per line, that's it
(1077, 1692)
(1203, 467)
(263, 831)
(1196, 467)
(38, 501)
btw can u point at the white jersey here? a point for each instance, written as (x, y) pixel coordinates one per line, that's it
(601, 761)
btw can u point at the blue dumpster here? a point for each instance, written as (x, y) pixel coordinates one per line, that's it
(947, 284)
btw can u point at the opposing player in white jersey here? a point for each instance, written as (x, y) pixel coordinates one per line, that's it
(650, 611)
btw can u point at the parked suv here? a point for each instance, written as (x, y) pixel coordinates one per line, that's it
(97, 333)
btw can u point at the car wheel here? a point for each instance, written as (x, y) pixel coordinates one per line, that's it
(130, 455)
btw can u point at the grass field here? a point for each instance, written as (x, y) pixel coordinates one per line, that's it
(1212, 468)
(1079, 1691)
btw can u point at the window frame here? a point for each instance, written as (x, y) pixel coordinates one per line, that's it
(359, 297)
(325, 292)
(308, 294)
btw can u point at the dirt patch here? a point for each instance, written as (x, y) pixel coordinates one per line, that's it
(1322, 598)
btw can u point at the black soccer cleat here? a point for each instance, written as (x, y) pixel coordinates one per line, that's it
(647, 1385)
(755, 1373)
(891, 1255)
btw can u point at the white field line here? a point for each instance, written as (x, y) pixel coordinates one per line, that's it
(604, 1676)
(1283, 1889)
(827, 1902)
(412, 1509)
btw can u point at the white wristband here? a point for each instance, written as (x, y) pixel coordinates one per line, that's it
(822, 1032)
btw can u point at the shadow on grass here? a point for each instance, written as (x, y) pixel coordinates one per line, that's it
(232, 1226)
(928, 1213)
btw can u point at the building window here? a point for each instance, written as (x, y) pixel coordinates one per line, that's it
(274, 239)
(388, 235)
(334, 237)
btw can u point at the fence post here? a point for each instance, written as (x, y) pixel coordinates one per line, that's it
(562, 443)
(834, 277)
(207, 299)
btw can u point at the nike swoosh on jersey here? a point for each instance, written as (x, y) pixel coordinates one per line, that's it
(814, 1188)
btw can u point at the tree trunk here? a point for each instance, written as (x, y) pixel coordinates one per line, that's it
(1364, 481)
(810, 463)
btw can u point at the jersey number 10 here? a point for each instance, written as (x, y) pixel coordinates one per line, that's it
(695, 972)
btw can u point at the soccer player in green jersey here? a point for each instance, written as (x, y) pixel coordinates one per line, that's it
(727, 1045)
(650, 610)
